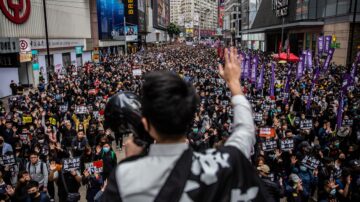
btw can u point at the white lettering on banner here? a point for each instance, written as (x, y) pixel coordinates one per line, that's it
(238, 196)
(209, 163)
(56, 43)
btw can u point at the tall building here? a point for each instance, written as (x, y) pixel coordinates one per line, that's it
(302, 22)
(197, 14)
(175, 14)
(232, 20)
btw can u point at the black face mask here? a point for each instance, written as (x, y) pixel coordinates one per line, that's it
(33, 195)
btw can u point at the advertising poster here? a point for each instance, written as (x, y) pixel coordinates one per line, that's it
(131, 33)
(110, 19)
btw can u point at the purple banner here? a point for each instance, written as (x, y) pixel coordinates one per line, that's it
(328, 59)
(300, 67)
(339, 112)
(347, 81)
(254, 68)
(308, 103)
(320, 45)
(243, 66)
(309, 59)
(305, 54)
(327, 45)
(246, 68)
(249, 67)
(287, 83)
(261, 78)
(272, 80)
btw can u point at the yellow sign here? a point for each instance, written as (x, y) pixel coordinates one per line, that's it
(25, 57)
(27, 119)
(189, 31)
(130, 7)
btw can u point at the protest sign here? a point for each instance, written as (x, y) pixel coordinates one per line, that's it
(258, 117)
(7, 160)
(136, 72)
(94, 167)
(81, 110)
(348, 122)
(63, 108)
(310, 162)
(287, 144)
(26, 119)
(268, 144)
(71, 164)
(306, 124)
(267, 133)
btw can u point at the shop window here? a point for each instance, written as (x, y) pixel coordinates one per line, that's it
(307, 40)
(330, 8)
(66, 59)
(313, 42)
(343, 7)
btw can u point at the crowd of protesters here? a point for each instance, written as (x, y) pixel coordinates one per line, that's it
(302, 152)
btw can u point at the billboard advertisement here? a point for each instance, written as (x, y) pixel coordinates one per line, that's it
(161, 16)
(131, 33)
(110, 19)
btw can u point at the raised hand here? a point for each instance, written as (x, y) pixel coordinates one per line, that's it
(231, 71)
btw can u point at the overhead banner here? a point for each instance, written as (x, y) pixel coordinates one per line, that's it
(131, 33)
(161, 16)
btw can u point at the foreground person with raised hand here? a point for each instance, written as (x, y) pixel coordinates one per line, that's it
(172, 171)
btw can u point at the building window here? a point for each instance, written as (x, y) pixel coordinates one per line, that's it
(343, 7)
(321, 8)
(302, 7)
(330, 8)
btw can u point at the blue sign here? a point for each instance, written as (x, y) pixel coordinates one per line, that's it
(35, 66)
(34, 52)
(110, 19)
(78, 49)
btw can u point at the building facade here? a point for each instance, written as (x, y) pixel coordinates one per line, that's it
(198, 15)
(232, 21)
(175, 14)
(301, 23)
(69, 31)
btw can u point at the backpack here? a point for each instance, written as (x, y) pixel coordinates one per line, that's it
(41, 167)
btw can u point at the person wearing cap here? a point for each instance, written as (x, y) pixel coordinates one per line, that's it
(274, 189)
(294, 189)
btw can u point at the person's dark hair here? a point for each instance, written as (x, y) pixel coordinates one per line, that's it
(168, 102)
(32, 184)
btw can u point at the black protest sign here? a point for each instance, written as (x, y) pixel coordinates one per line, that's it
(224, 103)
(63, 108)
(348, 122)
(268, 144)
(306, 124)
(71, 164)
(81, 110)
(7, 160)
(287, 144)
(310, 162)
(258, 117)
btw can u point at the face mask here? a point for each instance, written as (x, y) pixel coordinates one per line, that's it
(303, 168)
(41, 141)
(195, 130)
(106, 149)
(32, 195)
(333, 192)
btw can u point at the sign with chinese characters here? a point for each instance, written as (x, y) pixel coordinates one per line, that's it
(9, 45)
(310, 162)
(281, 7)
(267, 133)
(287, 144)
(25, 57)
(94, 167)
(306, 124)
(71, 164)
(7, 160)
(56, 43)
(268, 145)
